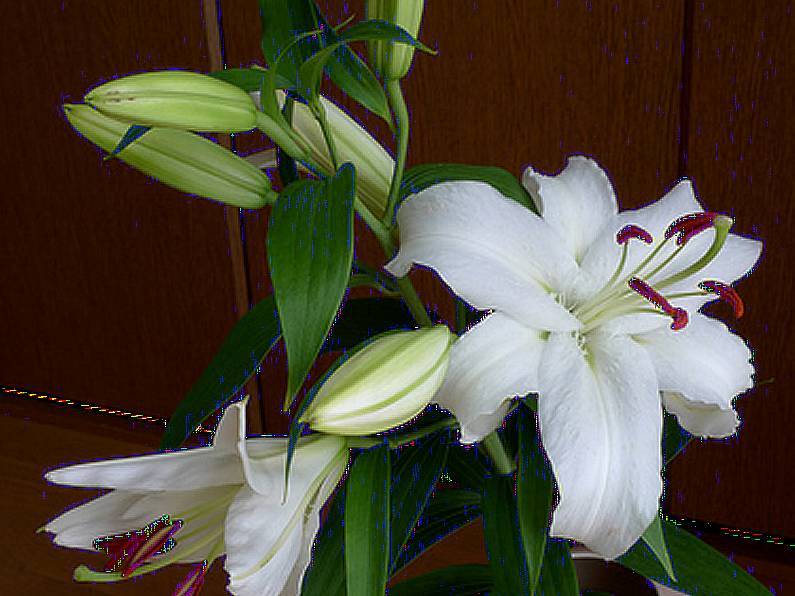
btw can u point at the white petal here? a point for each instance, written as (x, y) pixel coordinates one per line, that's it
(601, 425)
(604, 254)
(184, 470)
(704, 420)
(490, 250)
(490, 364)
(231, 428)
(705, 363)
(577, 203)
(81, 525)
(264, 460)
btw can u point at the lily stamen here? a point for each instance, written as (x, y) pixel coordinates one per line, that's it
(726, 294)
(131, 550)
(690, 225)
(191, 585)
(679, 315)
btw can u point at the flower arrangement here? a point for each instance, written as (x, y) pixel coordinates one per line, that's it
(579, 364)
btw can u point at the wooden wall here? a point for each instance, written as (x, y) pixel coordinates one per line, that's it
(118, 291)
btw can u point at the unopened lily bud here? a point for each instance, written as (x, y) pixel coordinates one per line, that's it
(176, 99)
(391, 59)
(384, 385)
(179, 158)
(374, 166)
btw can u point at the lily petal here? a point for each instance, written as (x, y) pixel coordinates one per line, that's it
(493, 362)
(181, 470)
(490, 250)
(706, 366)
(601, 425)
(577, 203)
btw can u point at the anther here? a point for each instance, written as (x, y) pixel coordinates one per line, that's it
(626, 233)
(725, 293)
(678, 315)
(688, 226)
(129, 551)
(191, 585)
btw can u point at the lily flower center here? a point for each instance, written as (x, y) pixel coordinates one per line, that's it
(638, 291)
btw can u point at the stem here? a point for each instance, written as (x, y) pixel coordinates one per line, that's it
(401, 439)
(496, 451)
(402, 121)
(413, 302)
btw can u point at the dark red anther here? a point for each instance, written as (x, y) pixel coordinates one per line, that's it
(679, 315)
(156, 537)
(191, 585)
(725, 293)
(626, 233)
(119, 547)
(688, 226)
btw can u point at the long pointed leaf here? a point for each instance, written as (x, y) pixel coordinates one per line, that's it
(367, 523)
(700, 569)
(414, 477)
(461, 580)
(558, 576)
(534, 492)
(310, 251)
(503, 541)
(654, 539)
(236, 362)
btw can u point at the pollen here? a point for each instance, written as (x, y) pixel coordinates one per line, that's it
(632, 231)
(726, 294)
(690, 225)
(679, 315)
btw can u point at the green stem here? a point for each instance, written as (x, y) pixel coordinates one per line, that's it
(402, 120)
(413, 302)
(496, 451)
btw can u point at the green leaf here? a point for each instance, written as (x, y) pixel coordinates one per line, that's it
(362, 318)
(309, 73)
(467, 467)
(654, 539)
(239, 358)
(367, 523)
(288, 171)
(448, 510)
(558, 576)
(249, 79)
(675, 438)
(424, 175)
(700, 569)
(460, 580)
(310, 251)
(534, 492)
(135, 132)
(282, 21)
(326, 575)
(414, 476)
(503, 540)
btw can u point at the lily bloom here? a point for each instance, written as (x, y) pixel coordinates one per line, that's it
(195, 505)
(596, 311)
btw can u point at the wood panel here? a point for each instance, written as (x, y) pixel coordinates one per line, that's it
(116, 289)
(739, 152)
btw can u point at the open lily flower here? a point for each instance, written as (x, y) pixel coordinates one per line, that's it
(193, 506)
(596, 311)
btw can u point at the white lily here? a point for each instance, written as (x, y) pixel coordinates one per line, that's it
(224, 499)
(581, 299)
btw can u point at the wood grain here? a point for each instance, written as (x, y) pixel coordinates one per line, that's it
(116, 289)
(739, 153)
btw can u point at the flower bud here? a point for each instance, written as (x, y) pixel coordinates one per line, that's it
(391, 59)
(374, 166)
(386, 383)
(179, 158)
(176, 99)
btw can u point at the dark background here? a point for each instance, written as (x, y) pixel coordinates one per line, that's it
(117, 291)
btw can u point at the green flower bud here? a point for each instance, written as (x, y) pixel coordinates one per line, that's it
(386, 383)
(374, 166)
(178, 158)
(176, 99)
(390, 59)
